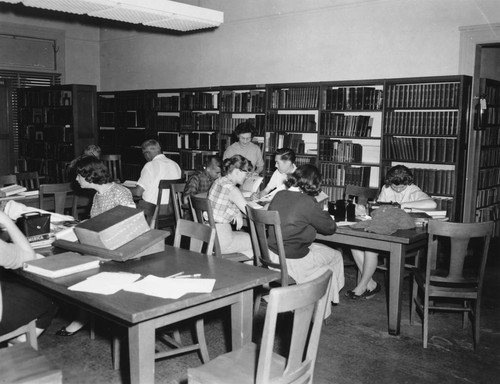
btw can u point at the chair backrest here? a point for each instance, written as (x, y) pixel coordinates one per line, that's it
(261, 221)
(59, 192)
(28, 329)
(457, 253)
(114, 165)
(30, 180)
(164, 214)
(308, 302)
(362, 194)
(176, 191)
(7, 180)
(202, 212)
(204, 235)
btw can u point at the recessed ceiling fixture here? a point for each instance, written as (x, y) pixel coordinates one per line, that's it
(154, 13)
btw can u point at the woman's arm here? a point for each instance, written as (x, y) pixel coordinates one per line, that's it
(420, 204)
(16, 236)
(237, 198)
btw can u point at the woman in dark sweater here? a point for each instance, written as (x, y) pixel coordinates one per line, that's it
(301, 218)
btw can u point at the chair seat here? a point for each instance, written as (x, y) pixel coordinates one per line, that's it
(242, 364)
(455, 290)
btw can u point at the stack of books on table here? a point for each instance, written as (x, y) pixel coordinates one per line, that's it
(11, 190)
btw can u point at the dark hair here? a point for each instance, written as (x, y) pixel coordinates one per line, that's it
(214, 159)
(92, 150)
(236, 162)
(92, 170)
(398, 175)
(306, 177)
(286, 154)
(245, 127)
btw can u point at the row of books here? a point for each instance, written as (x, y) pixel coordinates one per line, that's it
(490, 136)
(106, 119)
(488, 177)
(334, 193)
(46, 150)
(339, 174)
(294, 123)
(488, 196)
(55, 133)
(199, 100)
(435, 181)
(294, 98)
(251, 101)
(427, 95)
(277, 140)
(270, 162)
(492, 94)
(165, 123)
(491, 213)
(489, 157)
(343, 151)
(49, 98)
(195, 141)
(353, 98)
(444, 204)
(165, 103)
(193, 160)
(492, 116)
(438, 123)
(338, 124)
(228, 124)
(45, 115)
(197, 121)
(421, 149)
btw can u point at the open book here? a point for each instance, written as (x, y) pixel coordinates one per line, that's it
(251, 185)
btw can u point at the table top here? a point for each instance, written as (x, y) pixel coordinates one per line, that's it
(131, 308)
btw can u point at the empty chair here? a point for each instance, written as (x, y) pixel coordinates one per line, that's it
(177, 190)
(114, 165)
(164, 216)
(7, 180)
(260, 364)
(59, 193)
(452, 277)
(202, 213)
(30, 180)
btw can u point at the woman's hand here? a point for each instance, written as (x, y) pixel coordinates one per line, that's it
(238, 221)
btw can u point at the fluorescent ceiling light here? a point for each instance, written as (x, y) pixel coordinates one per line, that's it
(155, 13)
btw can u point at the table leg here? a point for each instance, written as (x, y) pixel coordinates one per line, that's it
(396, 271)
(141, 344)
(242, 319)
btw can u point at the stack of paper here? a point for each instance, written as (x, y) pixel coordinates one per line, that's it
(106, 283)
(170, 288)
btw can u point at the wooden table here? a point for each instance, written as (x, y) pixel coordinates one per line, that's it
(397, 245)
(142, 314)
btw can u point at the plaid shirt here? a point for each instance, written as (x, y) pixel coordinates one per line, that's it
(224, 209)
(199, 182)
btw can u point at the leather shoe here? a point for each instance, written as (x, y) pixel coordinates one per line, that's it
(64, 332)
(369, 294)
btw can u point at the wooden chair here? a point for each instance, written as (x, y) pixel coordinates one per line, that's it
(254, 364)
(202, 213)
(7, 180)
(30, 180)
(114, 165)
(176, 191)
(28, 329)
(59, 193)
(454, 271)
(202, 239)
(164, 216)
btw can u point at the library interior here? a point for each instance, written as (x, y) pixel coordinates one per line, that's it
(258, 191)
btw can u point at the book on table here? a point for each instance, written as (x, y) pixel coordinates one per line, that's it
(251, 185)
(62, 264)
(10, 190)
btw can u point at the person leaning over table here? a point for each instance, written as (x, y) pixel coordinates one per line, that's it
(158, 167)
(201, 181)
(20, 304)
(245, 147)
(398, 188)
(92, 173)
(229, 205)
(302, 217)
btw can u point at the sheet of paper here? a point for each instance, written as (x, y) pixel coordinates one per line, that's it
(168, 288)
(106, 283)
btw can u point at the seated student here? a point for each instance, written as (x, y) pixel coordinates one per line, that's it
(245, 147)
(201, 181)
(93, 174)
(285, 165)
(301, 218)
(229, 205)
(20, 304)
(398, 188)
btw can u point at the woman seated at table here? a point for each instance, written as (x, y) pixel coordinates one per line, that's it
(228, 205)
(301, 219)
(19, 304)
(285, 164)
(91, 173)
(398, 188)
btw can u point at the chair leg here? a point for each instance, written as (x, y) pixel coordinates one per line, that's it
(116, 352)
(92, 327)
(465, 315)
(202, 342)
(177, 336)
(256, 303)
(425, 325)
(476, 325)
(413, 304)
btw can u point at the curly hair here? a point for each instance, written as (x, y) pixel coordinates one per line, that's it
(307, 178)
(92, 170)
(236, 162)
(398, 175)
(245, 127)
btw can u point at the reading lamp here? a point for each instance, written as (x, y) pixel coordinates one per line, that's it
(155, 13)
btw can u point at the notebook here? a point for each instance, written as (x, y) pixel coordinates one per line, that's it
(61, 264)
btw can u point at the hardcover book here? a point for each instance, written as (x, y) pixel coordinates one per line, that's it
(61, 264)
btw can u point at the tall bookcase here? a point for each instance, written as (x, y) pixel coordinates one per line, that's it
(55, 125)
(487, 204)
(425, 128)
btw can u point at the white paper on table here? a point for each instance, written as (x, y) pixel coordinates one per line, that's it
(106, 283)
(170, 288)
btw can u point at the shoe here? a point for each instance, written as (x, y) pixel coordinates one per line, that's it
(351, 295)
(64, 332)
(369, 294)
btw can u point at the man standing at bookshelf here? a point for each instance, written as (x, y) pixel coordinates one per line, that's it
(244, 147)
(158, 167)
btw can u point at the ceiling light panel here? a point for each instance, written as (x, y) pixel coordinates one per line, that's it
(80, 7)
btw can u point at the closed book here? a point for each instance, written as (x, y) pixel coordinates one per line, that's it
(11, 190)
(113, 228)
(61, 264)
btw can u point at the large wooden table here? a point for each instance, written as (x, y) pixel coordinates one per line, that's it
(142, 314)
(397, 245)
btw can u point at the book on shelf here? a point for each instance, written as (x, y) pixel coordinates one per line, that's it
(62, 264)
(10, 190)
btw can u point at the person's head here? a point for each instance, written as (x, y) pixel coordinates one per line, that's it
(92, 150)
(398, 178)
(244, 133)
(307, 178)
(91, 170)
(213, 166)
(237, 168)
(150, 149)
(284, 158)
